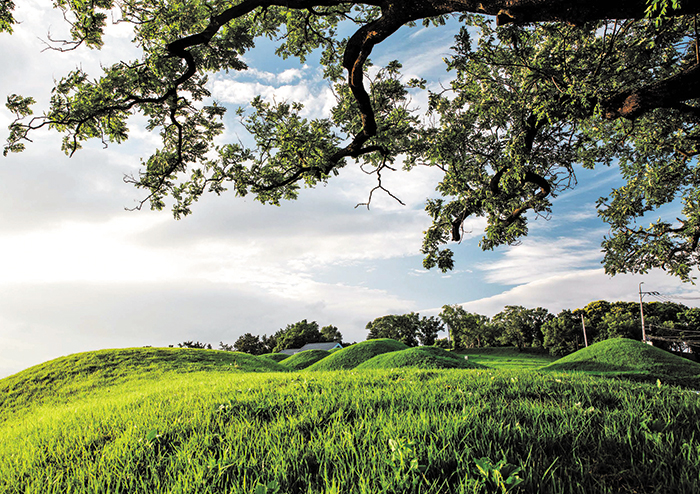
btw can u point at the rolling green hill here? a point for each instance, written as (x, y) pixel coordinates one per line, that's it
(304, 359)
(424, 357)
(194, 421)
(630, 359)
(277, 357)
(352, 356)
(66, 375)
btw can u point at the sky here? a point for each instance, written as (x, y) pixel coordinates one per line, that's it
(79, 272)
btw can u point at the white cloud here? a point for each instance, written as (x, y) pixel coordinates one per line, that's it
(535, 259)
(575, 289)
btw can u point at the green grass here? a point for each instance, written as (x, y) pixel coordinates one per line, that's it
(277, 357)
(352, 356)
(630, 359)
(302, 360)
(508, 358)
(65, 376)
(185, 421)
(393, 431)
(425, 357)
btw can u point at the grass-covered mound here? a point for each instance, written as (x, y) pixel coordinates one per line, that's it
(422, 357)
(352, 356)
(66, 375)
(304, 359)
(621, 357)
(277, 357)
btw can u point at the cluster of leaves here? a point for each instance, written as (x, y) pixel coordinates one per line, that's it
(498, 477)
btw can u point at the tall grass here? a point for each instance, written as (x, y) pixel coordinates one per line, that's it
(60, 379)
(400, 431)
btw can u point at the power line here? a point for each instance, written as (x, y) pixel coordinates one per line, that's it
(673, 328)
(668, 298)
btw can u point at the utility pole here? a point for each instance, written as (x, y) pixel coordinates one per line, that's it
(583, 323)
(641, 310)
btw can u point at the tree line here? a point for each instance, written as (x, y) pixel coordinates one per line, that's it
(292, 336)
(668, 325)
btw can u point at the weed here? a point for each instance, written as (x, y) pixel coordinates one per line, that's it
(408, 472)
(501, 477)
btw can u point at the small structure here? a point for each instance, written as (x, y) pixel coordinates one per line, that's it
(328, 346)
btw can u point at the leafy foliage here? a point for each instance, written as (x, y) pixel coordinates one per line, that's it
(521, 327)
(466, 329)
(544, 91)
(410, 329)
(249, 343)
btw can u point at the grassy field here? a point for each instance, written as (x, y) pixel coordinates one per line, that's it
(508, 358)
(203, 426)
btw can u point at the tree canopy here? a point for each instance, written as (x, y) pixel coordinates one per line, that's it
(410, 329)
(538, 87)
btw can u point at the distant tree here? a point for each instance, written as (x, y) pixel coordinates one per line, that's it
(467, 330)
(664, 325)
(396, 327)
(428, 329)
(689, 320)
(331, 333)
(297, 335)
(520, 326)
(563, 334)
(594, 313)
(225, 347)
(269, 342)
(249, 343)
(621, 321)
(194, 344)
(411, 328)
(443, 343)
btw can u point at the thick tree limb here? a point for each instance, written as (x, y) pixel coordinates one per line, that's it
(666, 93)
